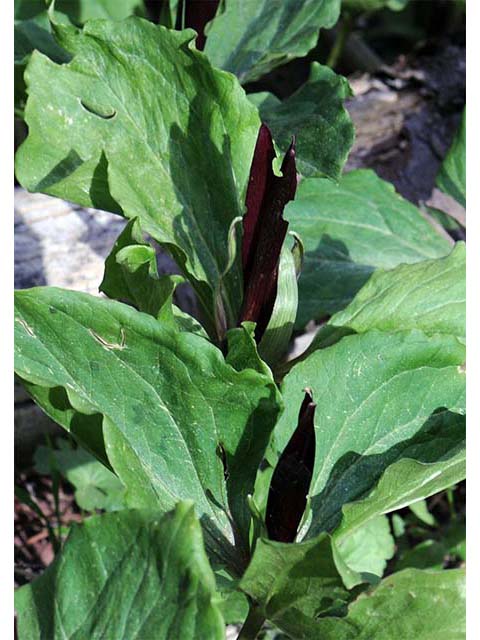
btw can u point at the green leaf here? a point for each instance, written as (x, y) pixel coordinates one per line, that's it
(179, 164)
(360, 6)
(233, 603)
(131, 276)
(452, 175)
(242, 350)
(455, 540)
(85, 427)
(409, 604)
(350, 229)
(96, 487)
(125, 575)
(369, 547)
(374, 394)
(429, 554)
(420, 509)
(32, 31)
(36, 33)
(312, 114)
(429, 295)
(426, 465)
(173, 411)
(79, 11)
(274, 343)
(252, 37)
(303, 575)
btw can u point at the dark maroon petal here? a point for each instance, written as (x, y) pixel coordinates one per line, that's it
(265, 229)
(261, 177)
(291, 479)
(197, 14)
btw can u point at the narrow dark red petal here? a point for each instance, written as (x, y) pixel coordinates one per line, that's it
(289, 174)
(197, 14)
(266, 231)
(261, 177)
(291, 479)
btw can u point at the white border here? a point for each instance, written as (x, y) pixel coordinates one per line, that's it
(473, 322)
(473, 317)
(6, 317)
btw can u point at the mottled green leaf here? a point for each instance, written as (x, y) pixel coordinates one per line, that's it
(131, 276)
(369, 547)
(429, 295)
(426, 465)
(128, 574)
(173, 411)
(350, 229)
(32, 31)
(315, 115)
(99, 135)
(251, 37)
(79, 11)
(429, 554)
(96, 487)
(420, 509)
(274, 343)
(301, 575)
(452, 176)
(242, 349)
(406, 605)
(374, 394)
(360, 6)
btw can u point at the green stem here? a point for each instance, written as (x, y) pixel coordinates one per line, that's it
(339, 44)
(252, 624)
(451, 503)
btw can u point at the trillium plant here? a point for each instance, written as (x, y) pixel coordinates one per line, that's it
(257, 484)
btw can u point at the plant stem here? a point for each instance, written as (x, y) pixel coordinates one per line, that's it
(339, 44)
(451, 503)
(252, 624)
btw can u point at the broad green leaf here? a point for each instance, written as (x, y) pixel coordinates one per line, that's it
(251, 37)
(242, 350)
(303, 575)
(79, 11)
(96, 487)
(85, 427)
(452, 176)
(233, 603)
(168, 13)
(32, 31)
(427, 464)
(350, 229)
(420, 509)
(173, 411)
(274, 343)
(429, 554)
(406, 605)
(128, 574)
(98, 136)
(27, 9)
(131, 276)
(315, 115)
(374, 394)
(35, 33)
(429, 295)
(360, 6)
(368, 548)
(455, 539)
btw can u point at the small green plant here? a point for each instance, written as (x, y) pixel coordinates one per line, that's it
(252, 489)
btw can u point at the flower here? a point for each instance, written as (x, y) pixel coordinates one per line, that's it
(287, 497)
(264, 229)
